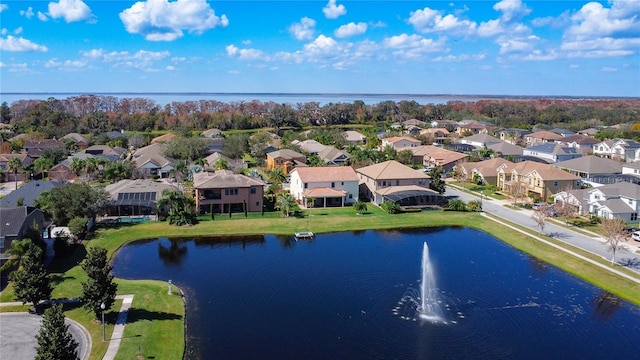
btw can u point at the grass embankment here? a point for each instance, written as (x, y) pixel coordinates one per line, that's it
(156, 320)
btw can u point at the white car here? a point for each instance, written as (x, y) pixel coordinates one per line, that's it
(636, 235)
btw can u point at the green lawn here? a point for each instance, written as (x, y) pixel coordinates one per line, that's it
(156, 323)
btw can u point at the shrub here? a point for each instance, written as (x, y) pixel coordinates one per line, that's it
(456, 205)
(78, 226)
(390, 207)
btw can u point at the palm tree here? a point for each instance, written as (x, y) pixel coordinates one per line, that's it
(277, 177)
(181, 210)
(77, 165)
(43, 164)
(91, 166)
(14, 165)
(360, 206)
(221, 164)
(16, 252)
(286, 203)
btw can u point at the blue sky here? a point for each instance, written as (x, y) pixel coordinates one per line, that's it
(508, 47)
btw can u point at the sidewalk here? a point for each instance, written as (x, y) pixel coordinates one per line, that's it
(118, 329)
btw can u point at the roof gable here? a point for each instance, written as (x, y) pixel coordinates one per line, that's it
(390, 170)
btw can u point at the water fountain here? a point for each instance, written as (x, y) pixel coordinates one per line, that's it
(429, 308)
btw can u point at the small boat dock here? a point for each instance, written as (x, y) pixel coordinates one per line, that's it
(303, 235)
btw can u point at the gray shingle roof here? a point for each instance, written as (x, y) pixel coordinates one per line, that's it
(28, 192)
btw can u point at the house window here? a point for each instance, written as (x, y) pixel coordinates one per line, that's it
(306, 185)
(350, 196)
(333, 184)
(342, 183)
(397, 182)
(2, 244)
(233, 191)
(253, 190)
(555, 183)
(634, 216)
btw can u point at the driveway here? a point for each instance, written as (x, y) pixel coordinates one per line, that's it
(593, 244)
(18, 336)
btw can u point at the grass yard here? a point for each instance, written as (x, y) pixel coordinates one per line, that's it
(155, 328)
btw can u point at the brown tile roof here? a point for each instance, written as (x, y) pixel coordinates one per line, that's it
(324, 192)
(486, 167)
(546, 171)
(164, 138)
(222, 179)
(437, 154)
(326, 173)
(545, 135)
(395, 139)
(285, 154)
(390, 170)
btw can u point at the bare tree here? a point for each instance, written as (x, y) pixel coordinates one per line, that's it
(540, 216)
(613, 234)
(517, 190)
(564, 206)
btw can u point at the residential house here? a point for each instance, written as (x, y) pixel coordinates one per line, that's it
(414, 122)
(590, 166)
(80, 141)
(25, 162)
(332, 156)
(354, 138)
(450, 125)
(551, 152)
(28, 193)
(626, 150)
(212, 160)
(285, 160)
(15, 223)
(507, 151)
(513, 136)
(413, 130)
(328, 186)
(62, 171)
(582, 142)
(485, 172)
(540, 137)
(224, 192)
(530, 177)
(395, 182)
(149, 161)
(136, 197)
(562, 132)
(632, 168)
(480, 140)
(604, 148)
(470, 128)
(311, 146)
(35, 147)
(115, 135)
(619, 200)
(5, 146)
(400, 143)
(212, 133)
(109, 153)
(430, 155)
(589, 132)
(164, 138)
(436, 135)
(575, 198)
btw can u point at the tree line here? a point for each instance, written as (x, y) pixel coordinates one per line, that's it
(95, 114)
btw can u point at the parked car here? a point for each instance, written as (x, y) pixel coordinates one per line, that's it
(636, 235)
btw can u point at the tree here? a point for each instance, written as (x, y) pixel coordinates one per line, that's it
(405, 157)
(31, 281)
(613, 234)
(17, 250)
(43, 164)
(181, 210)
(99, 287)
(360, 206)
(221, 164)
(14, 165)
(73, 200)
(540, 216)
(276, 178)
(54, 339)
(78, 226)
(391, 207)
(286, 203)
(456, 205)
(236, 145)
(437, 183)
(517, 190)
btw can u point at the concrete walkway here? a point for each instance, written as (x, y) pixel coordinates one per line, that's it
(118, 330)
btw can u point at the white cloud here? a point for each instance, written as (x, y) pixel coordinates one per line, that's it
(18, 30)
(333, 11)
(460, 58)
(609, 69)
(4, 31)
(161, 20)
(511, 9)
(42, 16)
(12, 43)
(602, 47)
(429, 20)
(413, 47)
(244, 54)
(141, 60)
(3, 7)
(350, 29)
(27, 13)
(304, 29)
(594, 20)
(70, 10)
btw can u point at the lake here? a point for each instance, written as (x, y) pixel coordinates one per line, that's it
(344, 296)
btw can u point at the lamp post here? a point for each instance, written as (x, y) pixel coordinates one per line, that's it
(481, 198)
(170, 293)
(102, 306)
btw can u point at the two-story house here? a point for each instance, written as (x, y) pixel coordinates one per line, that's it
(328, 186)
(285, 160)
(483, 171)
(400, 143)
(540, 137)
(540, 179)
(552, 152)
(223, 191)
(393, 181)
(619, 200)
(15, 223)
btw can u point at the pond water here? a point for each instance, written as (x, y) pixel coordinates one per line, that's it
(344, 296)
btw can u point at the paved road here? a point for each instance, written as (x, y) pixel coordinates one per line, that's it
(18, 336)
(593, 244)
